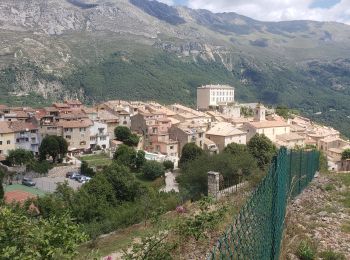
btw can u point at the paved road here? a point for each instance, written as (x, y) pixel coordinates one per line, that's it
(49, 184)
(170, 183)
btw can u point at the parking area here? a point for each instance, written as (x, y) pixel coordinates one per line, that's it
(49, 184)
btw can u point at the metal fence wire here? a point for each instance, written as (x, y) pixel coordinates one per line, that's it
(256, 232)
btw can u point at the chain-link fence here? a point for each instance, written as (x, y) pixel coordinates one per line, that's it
(256, 233)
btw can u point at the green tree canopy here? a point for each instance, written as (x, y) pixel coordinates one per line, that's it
(86, 170)
(235, 149)
(262, 149)
(54, 146)
(153, 169)
(23, 237)
(123, 134)
(20, 157)
(234, 168)
(190, 152)
(345, 154)
(126, 155)
(124, 183)
(168, 165)
(2, 192)
(140, 159)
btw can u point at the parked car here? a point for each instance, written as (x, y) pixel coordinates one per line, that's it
(28, 182)
(84, 179)
(76, 176)
(70, 174)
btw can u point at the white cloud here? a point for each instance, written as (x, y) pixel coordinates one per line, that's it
(277, 10)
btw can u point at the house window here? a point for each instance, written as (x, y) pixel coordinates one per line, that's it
(103, 138)
(8, 142)
(0, 151)
(68, 137)
(0, 142)
(33, 131)
(171, 147)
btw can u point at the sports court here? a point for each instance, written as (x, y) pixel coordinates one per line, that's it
(20, 193)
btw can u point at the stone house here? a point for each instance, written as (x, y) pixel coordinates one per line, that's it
(270, 128)
(187, 133)
(76, 133)
(99, 135)
(223, 134)
(7, 139)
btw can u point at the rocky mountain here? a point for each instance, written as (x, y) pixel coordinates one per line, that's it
(100, 49)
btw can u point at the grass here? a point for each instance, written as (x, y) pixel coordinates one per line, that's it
(111, 243)
(346, 227)
(123, 239)
(97, 160)
(156, 184)
(21, 187)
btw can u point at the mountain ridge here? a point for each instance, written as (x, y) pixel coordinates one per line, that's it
(97, 49)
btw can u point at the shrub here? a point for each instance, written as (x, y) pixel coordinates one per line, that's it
(331, 255)
(152, 170)
(168, 165)
(306, 251)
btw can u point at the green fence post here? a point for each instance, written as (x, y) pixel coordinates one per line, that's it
(300, 169)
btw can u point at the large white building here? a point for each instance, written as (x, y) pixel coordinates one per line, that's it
(214, 95)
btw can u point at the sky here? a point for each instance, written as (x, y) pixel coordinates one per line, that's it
(276, 10)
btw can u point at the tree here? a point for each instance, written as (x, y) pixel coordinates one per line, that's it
(262, 149)
(63, 146)
(190, 152)
(126, 155)
(123, 134)
(125, 186)
(168, 165)
(86, 170)
(49, 146)
(283, 111)
(140, 159)
(20, 157)
(345, 154)
(54, 146)
(152, 170)
(235, 149)
(2, 192)
(194, 177)
(23, 237)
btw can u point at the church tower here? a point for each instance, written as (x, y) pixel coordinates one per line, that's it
(260, 113)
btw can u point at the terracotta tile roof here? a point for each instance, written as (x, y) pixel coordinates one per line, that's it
(17, 114)
(5, 127)
(61, 105)
(268, 124)
(224, 129)
(290, 137)
(89, 110)
(19, 126)
(51, 109)
(75, 123)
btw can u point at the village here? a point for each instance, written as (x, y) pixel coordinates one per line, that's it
(165, 129)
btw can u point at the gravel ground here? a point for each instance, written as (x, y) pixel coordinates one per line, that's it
(49, 184)
(320, 215)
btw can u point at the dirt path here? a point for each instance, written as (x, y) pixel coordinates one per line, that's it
(321, 215)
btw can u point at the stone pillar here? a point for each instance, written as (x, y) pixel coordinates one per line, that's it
(213, 184)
